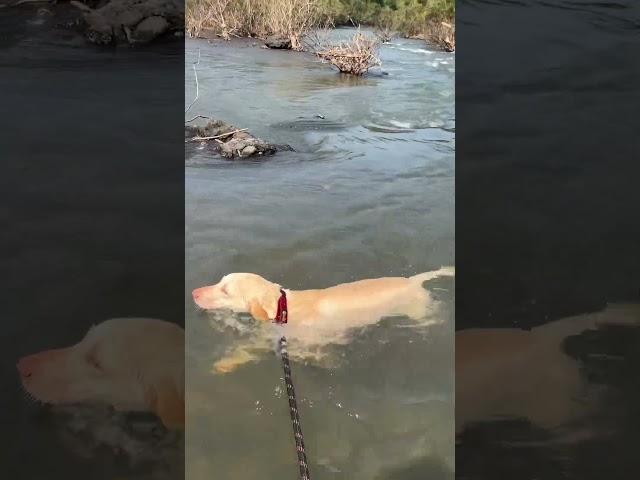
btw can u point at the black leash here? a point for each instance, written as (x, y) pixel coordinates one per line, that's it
(293, 410)
(281, 318)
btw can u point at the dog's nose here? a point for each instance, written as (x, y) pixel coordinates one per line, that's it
(25, 367)
(196, 293)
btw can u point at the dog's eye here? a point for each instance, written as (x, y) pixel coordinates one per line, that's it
(224, 290)
(93, 361)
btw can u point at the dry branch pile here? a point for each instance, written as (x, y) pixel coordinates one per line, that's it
(212, 14)
(355, 56)
(285, 21)
(384, 34)
(442, 35)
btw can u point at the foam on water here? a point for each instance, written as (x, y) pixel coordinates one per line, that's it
(400, 124)
(414, 50)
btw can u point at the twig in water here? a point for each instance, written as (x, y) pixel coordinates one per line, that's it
(195, 72)
(197, 116)
(215, 137)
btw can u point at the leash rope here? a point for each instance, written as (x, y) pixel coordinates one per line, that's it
(293, 410)
(281, 318)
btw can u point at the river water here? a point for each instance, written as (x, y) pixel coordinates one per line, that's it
(547, 210)
(83, 208)
(368, 192)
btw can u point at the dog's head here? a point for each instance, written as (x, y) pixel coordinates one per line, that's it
(241, 292)
(128, 363)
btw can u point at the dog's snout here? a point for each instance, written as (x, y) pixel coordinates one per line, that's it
(31, 364)
(25, 367)
(196, 293)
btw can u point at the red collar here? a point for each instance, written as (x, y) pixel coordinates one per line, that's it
(282, 314)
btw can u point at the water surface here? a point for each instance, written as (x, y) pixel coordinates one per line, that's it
(368, 192)
(92, 209)
(547, 208)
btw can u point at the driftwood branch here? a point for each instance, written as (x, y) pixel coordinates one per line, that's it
(197, 116)
(345, 55)
(215, 137)
(195, 72)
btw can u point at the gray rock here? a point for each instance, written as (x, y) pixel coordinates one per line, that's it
(249, 150)
(278, 42)
(119, 21)
(150, 28)
(237, 145)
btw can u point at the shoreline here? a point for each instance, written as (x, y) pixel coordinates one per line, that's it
(255, 42)
(249, 41)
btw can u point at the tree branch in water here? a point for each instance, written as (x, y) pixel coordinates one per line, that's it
(195, 72)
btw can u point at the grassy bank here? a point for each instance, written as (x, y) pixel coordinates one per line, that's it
(407, 17)
(289, 19)
(293, 18)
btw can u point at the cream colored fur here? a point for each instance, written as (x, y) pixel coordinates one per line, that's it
(318, 311)
(132, 364)
(513, 373)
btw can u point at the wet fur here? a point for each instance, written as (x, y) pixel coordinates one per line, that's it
(513, 373)
(318, 315)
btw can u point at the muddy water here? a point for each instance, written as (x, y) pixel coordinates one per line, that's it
(368, 192)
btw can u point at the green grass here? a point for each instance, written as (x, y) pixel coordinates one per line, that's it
(407, 17)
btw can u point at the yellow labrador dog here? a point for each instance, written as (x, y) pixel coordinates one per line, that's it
(337, 308)
(131, 364)
(513, 373)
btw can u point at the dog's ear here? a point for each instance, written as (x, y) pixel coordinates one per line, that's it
(167, 402)
(258, 312)
(265, 306)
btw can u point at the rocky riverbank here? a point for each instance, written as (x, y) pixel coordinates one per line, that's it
(131, 21)
(109, 22)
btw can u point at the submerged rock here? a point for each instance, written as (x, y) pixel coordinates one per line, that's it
(231, 142)
(243, 142)
(278, 42)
